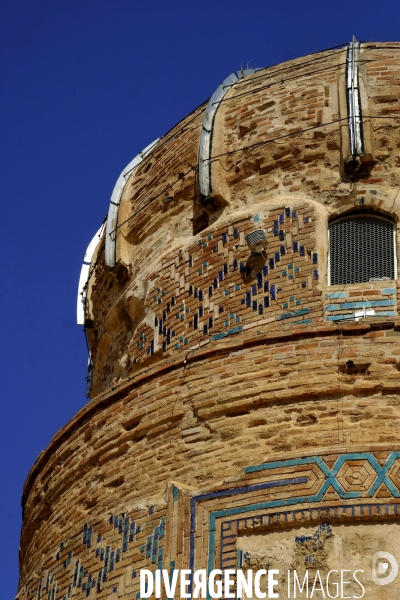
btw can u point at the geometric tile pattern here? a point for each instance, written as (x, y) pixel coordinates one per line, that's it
(295, 482)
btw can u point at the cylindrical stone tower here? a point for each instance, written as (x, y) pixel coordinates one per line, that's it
(244, 396)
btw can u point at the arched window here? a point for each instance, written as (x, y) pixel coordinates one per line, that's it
(361, 249)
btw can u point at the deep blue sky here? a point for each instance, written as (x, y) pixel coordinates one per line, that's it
(86, 84)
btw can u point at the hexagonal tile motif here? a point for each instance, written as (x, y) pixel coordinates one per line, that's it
(394, 473)
(356, 476)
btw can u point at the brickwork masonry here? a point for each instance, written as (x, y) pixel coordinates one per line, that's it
(237, 405)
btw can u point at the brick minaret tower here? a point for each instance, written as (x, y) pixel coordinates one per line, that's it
(240, 305)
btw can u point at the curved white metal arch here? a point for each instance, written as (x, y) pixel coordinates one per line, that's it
(84, 276)
(207, 129)
(115, 201)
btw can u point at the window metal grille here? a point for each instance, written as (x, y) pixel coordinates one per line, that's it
(361, 249)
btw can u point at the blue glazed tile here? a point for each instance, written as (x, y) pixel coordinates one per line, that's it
(232, 315)
(271, 263)
(281, 218)
(290, 276)
(298, 302)
(226, 292)
(226, 324)
(284, 273)
(339, 317)
(297, 270)
(383, 303)
(302, 251)
(295, 246)
(272, 292)
(256, 218)
(315, 274)
(200, 272)
(294, 214)
(306, 219)
(254, 290)
(237, 287)
(284, 316)
(276, 227)
(236, 233)
(221, 309)
(235, 330)
(235, 264)
(387, 291)
(277, 257)
(303, 322)
(224, 238)
(315, 258)
(243, 301)
(176, 346)
(338, 295)
(285, 305)
(219, 336)
(347, 305)
(287, 211)
(303, 311)
(265, 270)
(291, 298)
(237, 319)
(204, 264)
(281, 235)
(386, 313)
(282, 250)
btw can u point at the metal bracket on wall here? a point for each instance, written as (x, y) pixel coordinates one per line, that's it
(115, 201)
(207, 129)
(354, 99)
